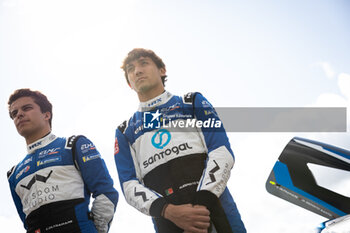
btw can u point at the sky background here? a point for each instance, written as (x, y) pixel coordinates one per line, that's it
(237, 53)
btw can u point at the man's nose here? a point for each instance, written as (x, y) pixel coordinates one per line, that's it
(20, 114)
(138, 70)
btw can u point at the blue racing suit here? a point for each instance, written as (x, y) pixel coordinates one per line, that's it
(163, 155)
(52, 190)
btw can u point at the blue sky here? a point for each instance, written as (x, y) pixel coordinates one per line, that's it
(237, 53)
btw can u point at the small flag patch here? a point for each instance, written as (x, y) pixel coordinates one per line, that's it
(169, 191)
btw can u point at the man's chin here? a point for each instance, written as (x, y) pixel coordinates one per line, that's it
(145, 88)
(23, 132)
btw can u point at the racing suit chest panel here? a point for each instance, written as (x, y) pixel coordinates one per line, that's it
(49, 187)
(175, 145)
(171, 161)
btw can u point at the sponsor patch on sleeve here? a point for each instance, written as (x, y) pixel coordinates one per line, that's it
(116, 147)
(91, 157)
(49, 160)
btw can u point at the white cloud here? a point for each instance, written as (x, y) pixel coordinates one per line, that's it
(327, 69)
(336, 100)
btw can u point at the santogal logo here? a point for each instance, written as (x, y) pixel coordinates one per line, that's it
(161, 138)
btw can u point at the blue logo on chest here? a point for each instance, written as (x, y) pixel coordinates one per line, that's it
(161, 138)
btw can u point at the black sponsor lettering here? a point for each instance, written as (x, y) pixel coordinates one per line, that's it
(183, 147)
(51, 196)
(156, 156)
(174, 150)
(55, 189)
(41, 196)
(59, 225)
(145, 164)
(151, 160)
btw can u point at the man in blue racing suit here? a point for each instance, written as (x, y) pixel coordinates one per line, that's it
(173, 155)
(52, 185)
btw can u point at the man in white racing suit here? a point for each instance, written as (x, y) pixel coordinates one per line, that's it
(177, 176)
(52, 185)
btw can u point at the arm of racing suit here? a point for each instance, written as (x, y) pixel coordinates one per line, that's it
(136, 194)
(219, 162)
(15, 197)
(98, 181)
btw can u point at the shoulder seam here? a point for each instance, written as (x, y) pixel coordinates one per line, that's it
(11, 171)
(122, 126)
(70, 144)
(189, 97)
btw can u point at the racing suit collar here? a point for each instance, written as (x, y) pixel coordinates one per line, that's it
(156, 101)
(40, 143)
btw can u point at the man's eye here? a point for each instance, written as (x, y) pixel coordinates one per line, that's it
(129, 69)
(27, 108)
(13, 114)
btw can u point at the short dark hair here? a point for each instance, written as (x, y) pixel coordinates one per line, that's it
(38, 97)
(140, 52)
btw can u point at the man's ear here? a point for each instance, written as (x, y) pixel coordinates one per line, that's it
(47, 115)
(162, 71)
